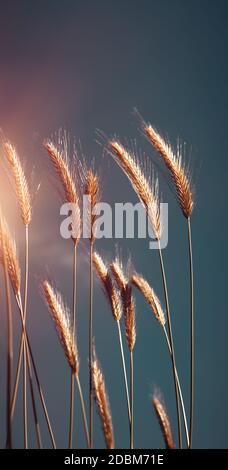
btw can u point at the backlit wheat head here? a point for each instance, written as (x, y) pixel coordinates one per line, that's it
(108, 286)
(147, 191)
(102, 403)
(174, 163)
(21, 185)
(150, 296)
(61, 317)
(163, 421)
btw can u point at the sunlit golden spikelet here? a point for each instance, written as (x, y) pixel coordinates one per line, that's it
(66, 178)
(164, 422)
(127, 301)
(129, 315)
(147, 191)
(150, 296)
(92, 189)
(108, 286)
(102, 403)
(8, 245)
(21, 185)
(118, 274)
(61, 317)
(176, 167)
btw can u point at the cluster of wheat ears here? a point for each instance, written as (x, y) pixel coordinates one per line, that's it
(118, 284)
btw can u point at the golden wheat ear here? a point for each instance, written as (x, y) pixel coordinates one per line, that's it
(92, 190)
(163, 421)
(148, 293)
(21, 184)
(102, 402)
(8, 247)
(174, 162)
(60, 161)
(147, 189)
(108, 286)
(63, 324)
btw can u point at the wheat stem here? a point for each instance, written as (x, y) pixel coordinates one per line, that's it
(179, 389)
(28, 347)
(91, 346)
(132, 400)
(25, 414)
(124, 370)
(9, 343)
(192, 333)
(83, 410)
(71, 423)
(171, 343)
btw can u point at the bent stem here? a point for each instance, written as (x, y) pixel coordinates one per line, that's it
(91, 345)
(179, 389)
(124, 372)
(132, 400)
(25, 417)
(83, 410)
(40, 390)
(71, 422)
(171, 345)
(192, 335)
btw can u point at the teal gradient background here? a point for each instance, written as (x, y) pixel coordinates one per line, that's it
(85, 65)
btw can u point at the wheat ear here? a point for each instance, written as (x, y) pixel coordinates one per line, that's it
(164, 422)
(175, 165)
(147, 190)
(102, 403)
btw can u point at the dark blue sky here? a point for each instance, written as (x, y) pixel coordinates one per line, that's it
(85, 65)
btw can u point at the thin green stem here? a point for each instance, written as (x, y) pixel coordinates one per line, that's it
(83, 410)
(91, 345)
(171, 345)
(179, 389)
(132, 400)
(192, 335)
(124, 372)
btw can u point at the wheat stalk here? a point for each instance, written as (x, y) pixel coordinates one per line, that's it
(92, 190)
(66, 333)
(182, 181)
(130, 329)
(164, 422)
(148, 293)
(60, 161)
(148, 191)
(114, 300)
(102, 403)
